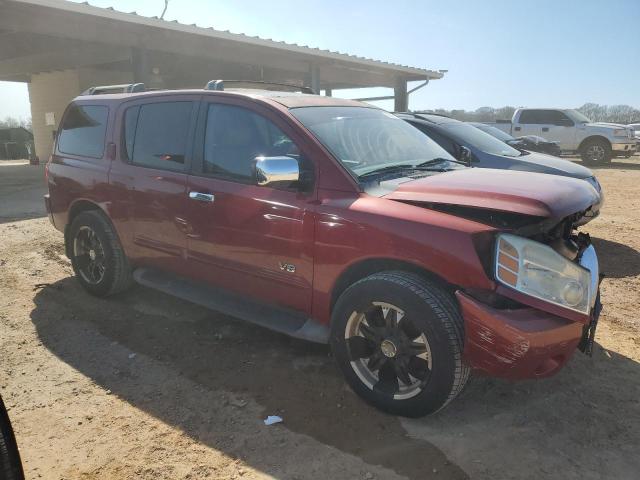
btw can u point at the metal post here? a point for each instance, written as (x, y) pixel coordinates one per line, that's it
(401, 98)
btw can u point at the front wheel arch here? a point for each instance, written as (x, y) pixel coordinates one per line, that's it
(363, 268)
(594, 138)
(432, 310)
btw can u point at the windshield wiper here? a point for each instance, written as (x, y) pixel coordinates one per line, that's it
(387, 169)
(435, 161)
(420, 167)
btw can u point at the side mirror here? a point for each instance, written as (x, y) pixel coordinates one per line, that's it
(277, 172)
(464, 155)
(54, 134)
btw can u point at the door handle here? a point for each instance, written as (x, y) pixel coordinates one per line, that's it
(202, 197)
(545, 129)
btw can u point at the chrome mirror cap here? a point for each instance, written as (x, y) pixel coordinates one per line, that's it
(277, 171)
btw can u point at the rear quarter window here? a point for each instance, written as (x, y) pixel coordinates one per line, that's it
(83, 130)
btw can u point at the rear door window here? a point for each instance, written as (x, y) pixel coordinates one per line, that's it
(83, 130)
(531, 117)
(156, 135)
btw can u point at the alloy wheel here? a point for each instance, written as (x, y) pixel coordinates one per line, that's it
(387, 351)
(596, 153)
(89, 255)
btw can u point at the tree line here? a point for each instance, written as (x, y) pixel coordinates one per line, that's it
(11, 122)
(624, 114)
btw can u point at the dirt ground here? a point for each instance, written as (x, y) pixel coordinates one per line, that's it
(147, 386)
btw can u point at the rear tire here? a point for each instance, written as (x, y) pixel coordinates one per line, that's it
(398, 339)
(97, 256)
(596, 151)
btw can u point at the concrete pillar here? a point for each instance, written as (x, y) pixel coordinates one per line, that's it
(140, 65)
(314, 74)
(401, 98)
(49, 94)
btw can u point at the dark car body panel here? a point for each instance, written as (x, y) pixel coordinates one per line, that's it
(332, 229)
(531, 161)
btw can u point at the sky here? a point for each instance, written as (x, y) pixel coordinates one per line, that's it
(554, 53)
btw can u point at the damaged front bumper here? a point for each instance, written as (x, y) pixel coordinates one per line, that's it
(528, 342)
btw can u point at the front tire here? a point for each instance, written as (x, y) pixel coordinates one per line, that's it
(596, 151)
(10, 465)
(398, 339)
(96, 255)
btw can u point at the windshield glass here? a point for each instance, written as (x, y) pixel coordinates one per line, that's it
(368, 139)
(494, 132)
(467, 134)
(577, 116)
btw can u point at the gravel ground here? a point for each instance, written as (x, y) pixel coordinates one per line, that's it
(147, 386)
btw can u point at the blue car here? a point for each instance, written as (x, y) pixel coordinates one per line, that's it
(470, 144)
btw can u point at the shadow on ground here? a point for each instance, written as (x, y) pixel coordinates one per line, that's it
(632, 163)
(295, 379)
(616, 259)
(582, 424)
(567, 423)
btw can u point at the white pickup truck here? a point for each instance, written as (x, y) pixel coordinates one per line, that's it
(596, 143)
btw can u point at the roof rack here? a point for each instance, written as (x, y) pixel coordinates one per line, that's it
(219, 85)
(124, 88)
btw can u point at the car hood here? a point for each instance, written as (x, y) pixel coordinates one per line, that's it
(542, 163)
(606, 124)
(525, 193)
(607, 128)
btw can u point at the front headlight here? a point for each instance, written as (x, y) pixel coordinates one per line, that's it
(537, 270)
(593, 181)
(621, 132)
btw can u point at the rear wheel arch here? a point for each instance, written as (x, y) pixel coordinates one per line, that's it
(364, 268)
(78, 207)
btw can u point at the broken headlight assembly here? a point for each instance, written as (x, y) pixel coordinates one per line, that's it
(537, 270)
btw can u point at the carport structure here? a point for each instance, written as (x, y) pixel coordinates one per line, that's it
(61, 48)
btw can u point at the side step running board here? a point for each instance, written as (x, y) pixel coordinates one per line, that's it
(279, 319)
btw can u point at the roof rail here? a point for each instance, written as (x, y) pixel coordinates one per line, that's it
(428, 112)
(124, 88)
(220, 84)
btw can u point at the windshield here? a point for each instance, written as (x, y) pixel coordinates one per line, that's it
(467, 134)
(577, 117)
(368, 139)
(494, 132)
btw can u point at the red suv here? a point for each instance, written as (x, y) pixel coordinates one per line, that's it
(331, 221)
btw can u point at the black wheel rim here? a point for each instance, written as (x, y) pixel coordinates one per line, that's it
(388, 352)
(89, 255)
